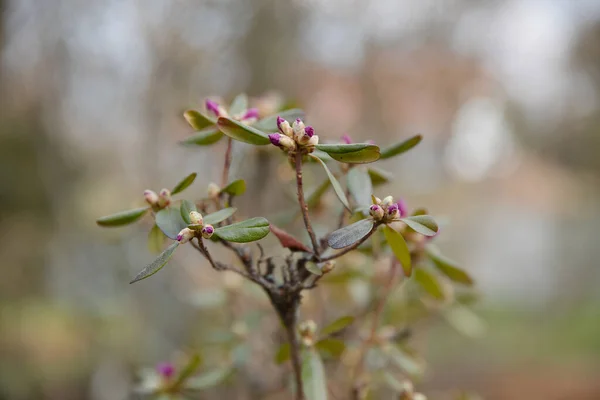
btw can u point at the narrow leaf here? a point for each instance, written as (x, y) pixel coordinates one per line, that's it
(219, 216)
(157, 264)
(331, 347)
(235, 188)
(429, 283)
(189, 370)
(184, 183)
(283, 353)
(244, 133)
(170, 222)
(379, 176)
(122, 218)
(204, 137)
(401, 147)
(337, 325)
(404, 361)
(424, 224)
(399, 248)
(313, 268)
(288, 241)
(156, 240)
(356, 153)
(313, 376)
(239, 104)
(185, 209)
(449, 267)
(350, 234)
(246, 231)
(208, 379)
(269, 123)
(198, 120)
(359, 185)
(334, 182)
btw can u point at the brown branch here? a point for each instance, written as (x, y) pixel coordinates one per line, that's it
(225, 177)
(303, 205)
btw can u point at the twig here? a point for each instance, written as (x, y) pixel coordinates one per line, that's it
(227, 165)
(304, 206)
(290, 321)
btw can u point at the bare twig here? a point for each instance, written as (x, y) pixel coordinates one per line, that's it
(304, 206)
(227, 165)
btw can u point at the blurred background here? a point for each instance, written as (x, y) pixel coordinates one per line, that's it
(505, 93)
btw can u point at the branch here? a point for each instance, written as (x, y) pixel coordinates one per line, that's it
(304, 206)
(227, 165)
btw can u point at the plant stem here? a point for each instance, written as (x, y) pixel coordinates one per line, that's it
(303, 205)
(225, 177)
(290, 329)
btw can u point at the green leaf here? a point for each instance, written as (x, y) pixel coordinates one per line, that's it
(350, 234)
(198, 120)
(399, 248)
(424, 224)
(334, 182)
(356, 153)
(331, 347)
(313, 268)
(208, 379)
(189, 370)
(269, 123)
(314, 197)
(185, 209)
(122, 218)
(429, 283)
(359, 185)
(246, 231)
(448, 267)
(244, 133)
(170, 222)
(239, 104)
(283, 353)
(184, 183)
(379, 176)
(401, 147)
(337, 325)
(204, 137)
(313, 376)
(404, 361)
(219, 216)
(156, 240)
(157, 264)
(235, 188)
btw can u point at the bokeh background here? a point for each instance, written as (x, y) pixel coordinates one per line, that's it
(506, 94)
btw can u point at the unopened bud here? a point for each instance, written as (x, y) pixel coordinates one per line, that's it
(185, 235)
(164, 198)
(213, 190)
(165, 369)
(388, 200)
(284, 127)
(377, 200)
(214, 108)
(346, 138)
(298, 128)
(287, 143)
(328, 267)
(376, 212)
(307, 328)
(313, 141)
(151, 197)
(207, 231)
(195, 218)
(392, 211)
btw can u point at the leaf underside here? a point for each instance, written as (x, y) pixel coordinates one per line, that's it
(157, 264)
(350, 234)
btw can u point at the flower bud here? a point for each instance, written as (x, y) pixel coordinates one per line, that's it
(309, 131)
(346, 138)
(251, 113)
(402, 207)
(164, 198)
(207, 231)
(151, 197)
(165, 369)
(287, 143)
(307, 329)
(377, 200)
(213, 190)
(185, 235)
(284, 127)
(387, 201)
(214, 108)
(195, 218)
(328, 267)
(392, 211)
(275, 139)
(376, 212)
(298, 128)
(313, 141)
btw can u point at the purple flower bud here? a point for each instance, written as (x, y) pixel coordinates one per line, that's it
(213, 107)
(251, 113)
(346, 138)
(165, 369)
(310, 131)
(151, 197)
(402, 207)
(207, 231)
(279, 122)
(376, 212)
(392, 210)
(275, 139)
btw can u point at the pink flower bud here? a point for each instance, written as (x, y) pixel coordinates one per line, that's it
(275, 139)
(151, 197)
(346, 138)
(392, 211)
(298, 128)
(284, 127)
(313, 141)
(185, 235)
(309, 131)
(164, 198)
(376, 212)
(165, 369)
(250, 114)
(195, 218)
(387, 201)
(213, 107)
(207, 231)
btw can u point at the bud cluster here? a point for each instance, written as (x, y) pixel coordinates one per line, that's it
(195, 228)
(248, 116)
(387, 210)
(295, 136)
(158, 201)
